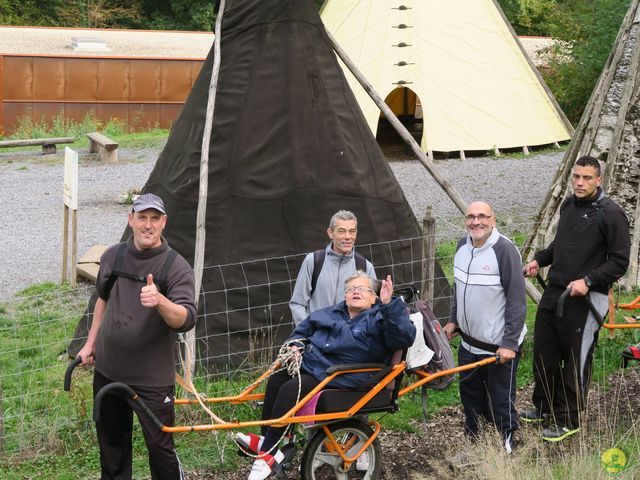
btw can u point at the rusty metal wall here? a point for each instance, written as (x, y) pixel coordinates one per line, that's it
(142, 92)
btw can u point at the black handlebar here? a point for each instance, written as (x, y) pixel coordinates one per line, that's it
(561, 300)
(125, 391)
(67, 376)
(587, 298)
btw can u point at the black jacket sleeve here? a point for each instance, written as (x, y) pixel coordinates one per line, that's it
(618, 248)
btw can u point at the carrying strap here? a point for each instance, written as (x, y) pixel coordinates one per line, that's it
(474, 342)
(318, 261)
(160, 280)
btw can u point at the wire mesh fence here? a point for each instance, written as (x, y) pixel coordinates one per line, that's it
(243, 317)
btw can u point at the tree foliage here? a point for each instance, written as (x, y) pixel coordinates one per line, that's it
(528, 16)
(590, 35)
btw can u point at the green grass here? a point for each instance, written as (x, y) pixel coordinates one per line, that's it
(63, 127)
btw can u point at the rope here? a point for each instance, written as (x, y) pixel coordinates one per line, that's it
(290, 359)
(187, 382)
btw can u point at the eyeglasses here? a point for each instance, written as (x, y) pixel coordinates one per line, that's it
(482, 217)
(358, 289)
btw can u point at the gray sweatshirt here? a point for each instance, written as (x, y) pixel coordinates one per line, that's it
(330, 286)
(135, 345)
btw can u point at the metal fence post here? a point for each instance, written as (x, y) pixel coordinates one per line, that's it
(428, 256)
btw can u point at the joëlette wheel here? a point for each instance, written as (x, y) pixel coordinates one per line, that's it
(321, 462)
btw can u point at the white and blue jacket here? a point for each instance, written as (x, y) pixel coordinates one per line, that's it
(489, 302)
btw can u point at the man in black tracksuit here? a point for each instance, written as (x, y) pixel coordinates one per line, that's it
(589, 253)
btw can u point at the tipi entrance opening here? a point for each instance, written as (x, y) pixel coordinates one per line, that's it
(406, 105)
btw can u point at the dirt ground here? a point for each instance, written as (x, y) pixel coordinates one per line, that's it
(425, 455)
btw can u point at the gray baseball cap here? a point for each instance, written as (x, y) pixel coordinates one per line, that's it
(147, 201)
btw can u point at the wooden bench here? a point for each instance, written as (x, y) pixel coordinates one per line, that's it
(104, 146)
(48, 144)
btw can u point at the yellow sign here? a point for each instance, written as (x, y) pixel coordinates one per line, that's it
(614, 460)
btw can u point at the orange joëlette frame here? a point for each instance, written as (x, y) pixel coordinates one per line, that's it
(290, 417)
(633, 305)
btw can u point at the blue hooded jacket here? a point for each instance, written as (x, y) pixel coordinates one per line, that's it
(370, 337)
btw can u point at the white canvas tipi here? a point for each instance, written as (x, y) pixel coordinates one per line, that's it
(477, 88)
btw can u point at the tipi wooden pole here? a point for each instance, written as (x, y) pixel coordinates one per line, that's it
(402, 131)
(201, 217)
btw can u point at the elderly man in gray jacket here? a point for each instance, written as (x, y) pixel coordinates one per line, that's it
(323, 272)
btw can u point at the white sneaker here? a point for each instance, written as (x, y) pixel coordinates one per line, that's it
(249, 442)
(362, 463)
(263, 466)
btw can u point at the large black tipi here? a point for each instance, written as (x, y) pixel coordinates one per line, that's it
(290, 147)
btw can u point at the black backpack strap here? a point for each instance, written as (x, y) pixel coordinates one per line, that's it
(115, 273)
(318, 261)
(161, 280)
(361, 262)
(474, 342)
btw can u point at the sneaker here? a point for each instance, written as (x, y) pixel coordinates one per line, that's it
(265, 465)
(556, 433)
(362, 463)
(249, 442)
(508, 443)
(532, 415)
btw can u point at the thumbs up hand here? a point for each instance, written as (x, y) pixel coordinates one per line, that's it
(149, 295)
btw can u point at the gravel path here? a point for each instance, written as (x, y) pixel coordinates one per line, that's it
(31, 201)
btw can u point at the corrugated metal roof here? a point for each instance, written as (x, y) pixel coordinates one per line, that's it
(119, 43)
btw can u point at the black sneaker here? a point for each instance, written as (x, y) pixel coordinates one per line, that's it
(533, 415)
(556, 433)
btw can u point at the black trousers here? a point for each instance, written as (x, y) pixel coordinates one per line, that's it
(115, 429)
(489, 392)
(280, 396)
(562, 360)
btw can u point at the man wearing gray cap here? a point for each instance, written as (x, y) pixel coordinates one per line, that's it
(145, 295)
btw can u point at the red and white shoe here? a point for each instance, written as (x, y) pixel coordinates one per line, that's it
(249, 442)
(264, 465)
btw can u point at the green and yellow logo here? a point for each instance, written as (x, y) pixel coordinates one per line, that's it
(614, 460)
